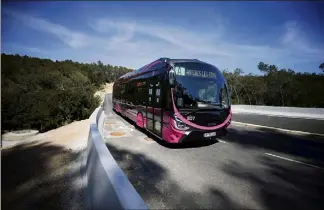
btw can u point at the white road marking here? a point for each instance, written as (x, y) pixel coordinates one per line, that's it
(296, 161)
(278, 129)
(223, 141)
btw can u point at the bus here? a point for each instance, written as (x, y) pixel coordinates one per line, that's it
(176, 100)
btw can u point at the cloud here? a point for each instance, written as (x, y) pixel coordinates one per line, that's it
(35, 50)
(295, 39)
(159, 40)
(73, 39)
(133, 43)
(13, 48)
(177, 36)
(124, 31)
(291, 32)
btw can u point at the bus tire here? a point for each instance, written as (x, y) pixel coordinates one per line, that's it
(140, 120)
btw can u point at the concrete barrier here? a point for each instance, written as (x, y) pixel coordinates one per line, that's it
(106, 185)
(291, 112)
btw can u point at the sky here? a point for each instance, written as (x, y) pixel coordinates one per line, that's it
(227, 34)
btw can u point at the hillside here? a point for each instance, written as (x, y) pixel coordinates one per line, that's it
(43, 94)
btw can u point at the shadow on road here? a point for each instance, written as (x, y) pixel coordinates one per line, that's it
(38, 176)
(300, 146)
(159, 191)
(274, 186)
(280, 186)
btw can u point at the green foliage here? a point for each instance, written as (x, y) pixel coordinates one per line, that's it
(321, 66)
(43, 94)
(278, 87)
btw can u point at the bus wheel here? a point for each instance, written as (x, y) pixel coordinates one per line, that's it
(139, 120)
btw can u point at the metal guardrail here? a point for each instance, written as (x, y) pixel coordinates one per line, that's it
(106, 185)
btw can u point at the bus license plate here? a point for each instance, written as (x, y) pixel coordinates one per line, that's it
(206, 135)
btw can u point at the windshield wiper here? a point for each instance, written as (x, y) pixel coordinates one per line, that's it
(213, 103)
(203, 109)
(194, 111)
(216, 104)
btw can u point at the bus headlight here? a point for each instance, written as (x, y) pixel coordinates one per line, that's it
(178, 124)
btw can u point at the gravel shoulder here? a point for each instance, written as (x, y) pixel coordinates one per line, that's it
(45, 173)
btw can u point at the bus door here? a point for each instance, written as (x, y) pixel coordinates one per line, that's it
(153, 109)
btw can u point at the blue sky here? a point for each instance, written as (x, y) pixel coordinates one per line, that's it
(227, 34)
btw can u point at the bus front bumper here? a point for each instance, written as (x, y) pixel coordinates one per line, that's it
(173, 135)
(198, 135)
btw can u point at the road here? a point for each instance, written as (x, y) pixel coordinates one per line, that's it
(248, 169)
(298, 124)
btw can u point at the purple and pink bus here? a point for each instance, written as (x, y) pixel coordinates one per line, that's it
(177, 100)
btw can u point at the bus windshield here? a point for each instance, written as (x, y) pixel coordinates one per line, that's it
(198, 86)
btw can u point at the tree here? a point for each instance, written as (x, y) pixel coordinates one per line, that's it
(231, 82)
(322, 66)
(277, 87)
(42, 94)
(237, 76)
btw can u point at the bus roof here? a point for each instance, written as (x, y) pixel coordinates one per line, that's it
(165, 60)
(179, 60)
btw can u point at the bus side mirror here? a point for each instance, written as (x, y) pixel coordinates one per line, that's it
(172, 78)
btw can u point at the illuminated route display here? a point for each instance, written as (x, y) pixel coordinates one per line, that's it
(181, 71)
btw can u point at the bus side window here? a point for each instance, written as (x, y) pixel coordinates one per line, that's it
(126, 93)
(132, 93)
(150, 93)
(136, 95)
(143, 95)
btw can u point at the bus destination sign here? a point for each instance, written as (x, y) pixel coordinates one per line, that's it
(181, 71)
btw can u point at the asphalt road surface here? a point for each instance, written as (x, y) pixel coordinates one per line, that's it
(248, 169)
(298, 124)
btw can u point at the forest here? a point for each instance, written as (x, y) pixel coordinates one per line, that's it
(43, 94)
(276, 87)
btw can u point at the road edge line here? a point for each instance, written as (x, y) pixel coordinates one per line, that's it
(295, 161)
(279, 129)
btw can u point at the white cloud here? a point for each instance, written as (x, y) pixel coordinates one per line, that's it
(179, 42)
(134, 43)
(13, 48)
(34, 49)
(291, 32)
(177, 36)
(296, 40)
(123, 31)
(67, 36)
